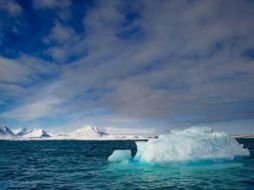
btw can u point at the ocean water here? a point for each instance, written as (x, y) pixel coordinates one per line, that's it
(84, 165)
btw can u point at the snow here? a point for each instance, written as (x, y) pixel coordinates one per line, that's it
(58, 135)
(90, 132)
(195, 143)
(249, 136)
(35, 133)
(87, 132)
(16, 131)
(20, 132)
(5, 132)
(120, 156)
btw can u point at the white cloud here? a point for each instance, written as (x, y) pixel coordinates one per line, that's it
(187, 63)
(62, 37)
(11, 90)
(61, 34)
(17, 75)
(24, 69)
(11, 6)
(60, 7)
(183, 43)
(51, 4)
(34, 110)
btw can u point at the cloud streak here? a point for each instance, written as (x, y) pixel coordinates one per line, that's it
(11, 7)
(33, 110)
(180, 62)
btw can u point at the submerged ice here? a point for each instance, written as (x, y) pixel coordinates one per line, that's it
(192, 144)
(120, 155)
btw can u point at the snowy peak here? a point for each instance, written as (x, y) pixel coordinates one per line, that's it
(35, 133)
(88, 132)
(5, 131)
(30, 133)
(20, 132)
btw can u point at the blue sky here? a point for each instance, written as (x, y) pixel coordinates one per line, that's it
(135, 66)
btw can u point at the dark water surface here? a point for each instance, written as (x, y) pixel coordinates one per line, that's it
(83, 165)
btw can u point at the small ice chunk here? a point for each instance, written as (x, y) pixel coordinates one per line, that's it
(120, 155)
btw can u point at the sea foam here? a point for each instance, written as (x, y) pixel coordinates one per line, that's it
(195, 143)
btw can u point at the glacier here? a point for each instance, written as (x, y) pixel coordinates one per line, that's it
(195, 143)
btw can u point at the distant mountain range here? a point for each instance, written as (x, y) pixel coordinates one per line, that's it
(85, 133)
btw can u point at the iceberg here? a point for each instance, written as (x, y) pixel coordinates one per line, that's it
(120, 156)
(195, 143)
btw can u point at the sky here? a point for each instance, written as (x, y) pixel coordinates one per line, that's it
(140, 66)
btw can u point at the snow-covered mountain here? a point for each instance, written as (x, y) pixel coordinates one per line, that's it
(58, 135)
(20, 131)
(87, 132)
(30, 133)
(34, 133)
(93, 133)
(5, 132)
